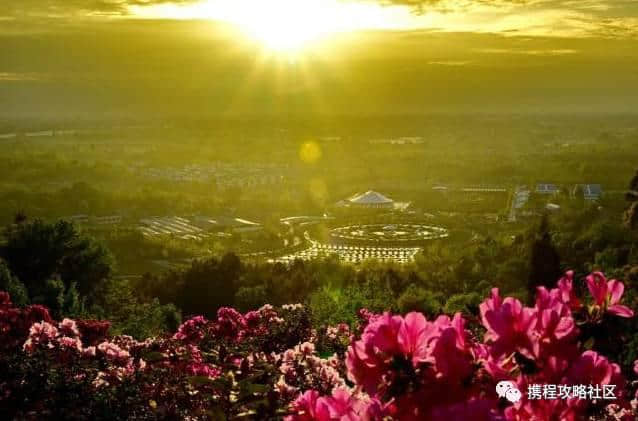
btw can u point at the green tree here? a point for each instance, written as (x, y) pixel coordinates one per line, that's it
(631, 214)
(13, 286)
(118, 303)
(464, 303)
(251, 298)
(38, 251)
(545, 267)
(415, 298)
(510, 275)
(208, 285)
(60, 299)
(336, 305)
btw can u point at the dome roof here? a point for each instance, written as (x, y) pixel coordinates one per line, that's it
(370, 198)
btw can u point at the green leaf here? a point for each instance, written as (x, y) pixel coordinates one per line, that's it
(207, 381)
(153, 356)
(216, 413)
(247, 388)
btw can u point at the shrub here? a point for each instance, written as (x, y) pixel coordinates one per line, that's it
(264, 364)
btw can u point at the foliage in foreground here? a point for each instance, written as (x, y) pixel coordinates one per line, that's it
(270, 363)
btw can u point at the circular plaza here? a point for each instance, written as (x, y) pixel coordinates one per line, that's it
(387, 234)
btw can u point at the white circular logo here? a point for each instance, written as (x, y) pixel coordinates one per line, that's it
(508, 390)
(513, 395)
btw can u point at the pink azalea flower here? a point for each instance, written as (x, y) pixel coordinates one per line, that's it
(597, 284)
(309, 407)
(551, 299)
(364, 368)
(253, 319)
(285, 390)
(368, 359)
(342, 405)
(554, 318)
(510, 326)
(40, 334)
(113, 352)
(68, 327)
(230, 323)
(43, 331)
(474, 409)
(450, 361)
(593, 368)
(93, 331)
(566, 289)
(607, 294)
(542, 410)
(383, 333)
(414, 335)
(35, 313)
(70, 343)
(306, 348)
(89, 352)
(192, 330)
(204, 370)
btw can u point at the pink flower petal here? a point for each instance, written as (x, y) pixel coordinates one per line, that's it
(597, 285)
(616, 289)
(621, 311)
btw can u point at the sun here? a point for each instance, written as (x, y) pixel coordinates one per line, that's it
(285, 26)
(289, 25)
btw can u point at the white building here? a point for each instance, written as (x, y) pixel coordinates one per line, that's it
(546, 188)
(107, 220)
(369, 199)
(590, 192)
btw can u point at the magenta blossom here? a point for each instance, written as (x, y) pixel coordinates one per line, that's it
(607, 294)
(510, 326)
(309, 407)
(192, 330)
(566, 291)
(69, 328)
(342, 405)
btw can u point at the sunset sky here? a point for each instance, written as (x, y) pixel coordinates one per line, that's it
(325, 56)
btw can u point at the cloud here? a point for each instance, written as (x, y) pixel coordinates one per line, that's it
(452, 63)
(67, 8)
(542, 18)
(423, 6)
(554, 18)
(62, 8)
(19, 77)
(538, 52)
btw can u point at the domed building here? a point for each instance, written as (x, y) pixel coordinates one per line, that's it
(368, 200)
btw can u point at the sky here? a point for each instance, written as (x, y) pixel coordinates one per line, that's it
(239, 57)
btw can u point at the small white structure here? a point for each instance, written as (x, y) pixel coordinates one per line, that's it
(107, 220)
(440, 188)
(44, 133)
(484, 190)
(546, 188)
(552, 207)
(590, 192)
(171, 225)
(79, 219)
(244, 225)
(369, 199)
(237, 225)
